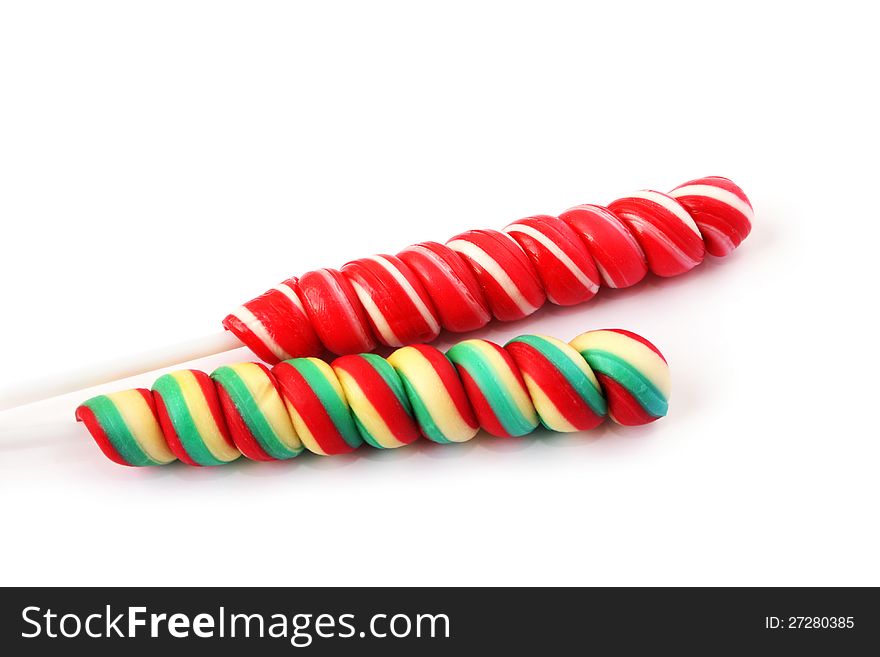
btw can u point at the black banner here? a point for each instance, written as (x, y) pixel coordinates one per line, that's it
(429, 621)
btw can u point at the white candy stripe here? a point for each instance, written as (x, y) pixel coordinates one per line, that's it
(661, 237)
(669, 204)
(344, 302)
(605, 277)
(515, 243)
(385, 332)
(719, 194)
(614, 222)
(621, 228)
(414, 296)
(256, 327)
(494, 270)
(288, 291)
(558, 253)
(720, 236)
(450, 276)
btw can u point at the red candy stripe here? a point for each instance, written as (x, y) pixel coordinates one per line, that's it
(564, 265)
(666, 232)
(482, 408)
(87, 416)
(508, 279)
(335, 312)
(209, 390)
(720, 209)
(638, 338)
(447, 373)
(450, 283)
(381, 397)
(299, 394)
(553, 383)
(622, 406)
(170, 432)
(398, 308)
(618, 256)
(275, 325)
(244, 440)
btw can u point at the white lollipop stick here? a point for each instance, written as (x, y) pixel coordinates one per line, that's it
(52, 386)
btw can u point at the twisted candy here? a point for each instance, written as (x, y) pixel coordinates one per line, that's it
(480, 274)
(305, 403)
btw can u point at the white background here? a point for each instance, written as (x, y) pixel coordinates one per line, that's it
(162, 162)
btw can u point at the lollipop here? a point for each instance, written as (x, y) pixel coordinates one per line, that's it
(481, 274)
(333, 408)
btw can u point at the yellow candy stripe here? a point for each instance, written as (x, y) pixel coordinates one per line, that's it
(269, 402)
(430, 388)
(330, 375)
(365, 412)
(507, 378)
(142, 424)
(302, 429)
(201, 415)
(550, 415)
(646, 361)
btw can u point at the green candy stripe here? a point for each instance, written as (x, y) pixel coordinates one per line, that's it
(335, 406)
(638, 385)
(426, 422)
(117, 431)
(367, 436)
(503, 405)
(391, 378)
(250, 412)
(578, 380)
(175, 403)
